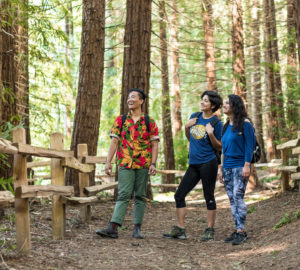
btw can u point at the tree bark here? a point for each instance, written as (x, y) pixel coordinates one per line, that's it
(273, 80)
(210, 63)
(15, 105)
(175, 68)
(136, 64)
(256, 87)
(89, 97)
(68, 59)
(166, 112)
(297, 23)
(238, 62)
(1, 52)
(291, 72)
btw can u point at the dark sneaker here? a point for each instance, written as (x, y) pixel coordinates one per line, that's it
(176, 232)
(209, 234)
(109, 232)
(230, 238)
(137, 232)
(239, 238)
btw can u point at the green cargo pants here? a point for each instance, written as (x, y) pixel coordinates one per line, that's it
(130, 180)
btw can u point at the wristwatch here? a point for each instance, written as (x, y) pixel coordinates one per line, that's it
(154, 164)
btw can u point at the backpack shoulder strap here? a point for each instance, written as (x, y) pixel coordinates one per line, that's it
(243, 130)
(225, 127)
(147, 122)
(123, 120)
(197, 114)
(215, 121)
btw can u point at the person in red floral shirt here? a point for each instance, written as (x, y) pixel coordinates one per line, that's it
(136, 148)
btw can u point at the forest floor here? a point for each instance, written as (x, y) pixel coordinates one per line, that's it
(266, 248)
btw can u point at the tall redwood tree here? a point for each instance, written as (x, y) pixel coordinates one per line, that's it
(89, 96)
(136, 64)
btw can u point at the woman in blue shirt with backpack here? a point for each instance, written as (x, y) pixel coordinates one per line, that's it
(204, 131)
(238, 142)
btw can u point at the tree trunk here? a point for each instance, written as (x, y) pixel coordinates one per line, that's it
(136, 64)
(256, 87)
(68, 60)
(166, 112)
(89, 97)
(210, 64)
(1, 52)
(273, 82)
(15, 103)
(291, 72)
(238, 62)
(175, 68)
(297, 23)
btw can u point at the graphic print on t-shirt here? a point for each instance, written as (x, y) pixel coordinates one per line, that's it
(198, 132)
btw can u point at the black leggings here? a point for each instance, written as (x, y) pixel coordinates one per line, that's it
(208, 173)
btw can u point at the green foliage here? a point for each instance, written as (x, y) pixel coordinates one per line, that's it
(269, 179)
(181, 151)
(283, 221)
(7, 184)
(274, 253)
(251, 210)
(287, 218)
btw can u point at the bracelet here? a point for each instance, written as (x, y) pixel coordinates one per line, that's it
(153, 164)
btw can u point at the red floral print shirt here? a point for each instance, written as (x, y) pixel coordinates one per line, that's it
(134, 148)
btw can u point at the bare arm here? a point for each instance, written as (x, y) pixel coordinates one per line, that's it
(154, 147)
(215, 143)
(111, 151)
(187, 126)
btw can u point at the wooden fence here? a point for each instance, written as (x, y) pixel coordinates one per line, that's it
(289, 171)
(62, 194)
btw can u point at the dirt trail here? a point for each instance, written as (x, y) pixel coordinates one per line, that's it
(83, 249)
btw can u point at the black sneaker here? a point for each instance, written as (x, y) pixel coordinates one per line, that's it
(240, 238)
(137, 232)
(109, 232)
(209, 234)
(176, 233)
(230, 238)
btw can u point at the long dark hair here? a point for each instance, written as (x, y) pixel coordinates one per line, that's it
(238, 109)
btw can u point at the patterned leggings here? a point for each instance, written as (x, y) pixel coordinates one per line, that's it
(235, 185)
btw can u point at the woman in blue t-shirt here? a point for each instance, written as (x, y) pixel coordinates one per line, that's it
(204, 132)
(238, 141)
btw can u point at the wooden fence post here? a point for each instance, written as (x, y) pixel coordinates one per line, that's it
(285, 174)
(57, 179)
(23, 242)
(84, 181)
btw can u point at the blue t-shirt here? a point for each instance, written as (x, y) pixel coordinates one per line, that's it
(238, 149)
(201, 149)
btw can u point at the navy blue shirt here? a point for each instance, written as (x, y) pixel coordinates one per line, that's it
(201, 150)
(237, 148)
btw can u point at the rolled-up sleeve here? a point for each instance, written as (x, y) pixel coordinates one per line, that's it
(116, 128)
(153, 130)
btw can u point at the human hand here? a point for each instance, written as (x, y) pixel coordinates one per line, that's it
(209, 129)
(220, 176)
(191, 122)
(246, 171)
(152, 170)
(108, 169)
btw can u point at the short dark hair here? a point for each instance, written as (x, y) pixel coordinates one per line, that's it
(214, 98)
(141, 92)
